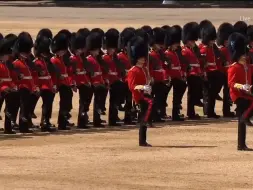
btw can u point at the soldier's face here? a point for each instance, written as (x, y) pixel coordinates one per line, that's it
(141, 61)
(111, 51)
(211, 43)
(243, 59)
(191, 43)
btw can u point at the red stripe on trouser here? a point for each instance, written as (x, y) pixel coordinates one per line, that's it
(248, 111)
(148, 112)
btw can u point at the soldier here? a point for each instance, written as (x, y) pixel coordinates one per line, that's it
(224, 31)
(116, 69)
(241, 27)
(26, 83)
(240, 84)
(8, 88)
(59, 47)
(176, 72)
(94, 44)
(45, 83)
(124, 38)
(138, 82)
(194, 74)
(212, 74)
(157, 72)
(81, 77)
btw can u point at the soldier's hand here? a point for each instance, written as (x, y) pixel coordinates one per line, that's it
(55, 89)
(20, 76)
(74, 88)
(139, 87)
(14, 89)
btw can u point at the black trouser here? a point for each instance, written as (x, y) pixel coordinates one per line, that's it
(66, 95)
(116, 94)
(104, 96)
(243, 107)
(10, 109)
(1, 102)
(212, 87)
(25, 109)
(47, 105)
(99, 91)
(146, 105)
(85, 96)
(128, 105)
(164, 97)
(194, 93)
(179, 87)
(34, 100)
(226, 96)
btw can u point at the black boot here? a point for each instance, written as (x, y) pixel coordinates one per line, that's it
(143, 136)
(46, 126)
(241, 136)
(83, 121)
(176, 116)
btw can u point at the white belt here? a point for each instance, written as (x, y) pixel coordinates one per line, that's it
(97, 74)
(45, 77)
(81, 73)
(27, 77)
(64, 75)
(211, 64)
(5, 79)
(176, 68)
(194, 65)
(160, 70)
(113, 73)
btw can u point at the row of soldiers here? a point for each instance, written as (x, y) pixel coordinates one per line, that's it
(96, 63)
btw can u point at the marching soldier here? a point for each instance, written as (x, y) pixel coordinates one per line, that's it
(125, 37)
(194, 74)
(241, 27)
(94, 44)
(8, 88)
(157, 71)
(45, 83)
(240, 84)
(212, 74)
(116, 69)
(224, 31)
(59, 47)
(176, 71)
(25, 80)
(138, 82)
(81, 77)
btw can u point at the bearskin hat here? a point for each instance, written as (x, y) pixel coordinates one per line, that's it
(1, 36)
(59, 42)
(99, 31)
(190, 32)
(158, 36)
(203, 24)
(24, 43)
(166, 27)
(241, 27)
(42, 45)
(84, 31)
(147, 29)
(93, 41)
(137, 48)
(45, 32)
(78, 41)
(250, 33)
(6, 45)
(208, 33)
(124, 37)
(237, 45)
(140, 32)
(111, 38)
(131, 29)
(66, 32)
(224, 31)
(173, 35)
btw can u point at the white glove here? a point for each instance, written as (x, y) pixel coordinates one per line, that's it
(246, 87)
(147, 89)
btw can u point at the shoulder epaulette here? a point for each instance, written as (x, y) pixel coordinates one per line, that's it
(88, 56)
(132, 68)
(15, 60)
(233, 63)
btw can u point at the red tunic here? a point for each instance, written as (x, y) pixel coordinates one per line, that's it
(81, 75)
(124, 59)
(210, 59)
(97, 77)
(113, 74)
(156, 67)
(226, 56)
(27, 80)
(136, 76)
(192, 60)
(241, 74)
(65, 79)
(175, 71)
(5, 78)
(44, 79)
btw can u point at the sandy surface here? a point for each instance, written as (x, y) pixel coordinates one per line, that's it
(186, 156)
